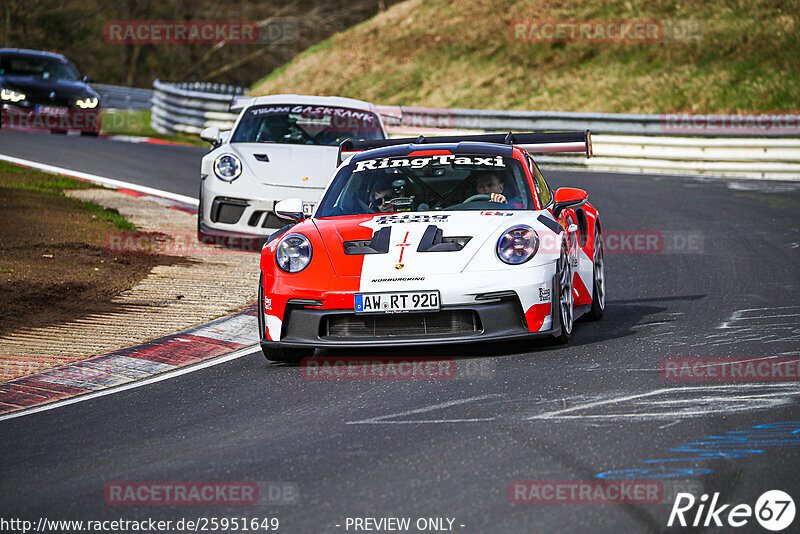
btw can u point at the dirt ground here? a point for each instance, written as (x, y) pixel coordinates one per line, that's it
(54, 266)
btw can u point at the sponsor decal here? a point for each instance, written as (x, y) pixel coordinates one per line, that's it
(315, 112)
(410, 218)
(267, 303)
(420, 162)
(544, 294)
(399, 279)
(498, 213)
(402, 246)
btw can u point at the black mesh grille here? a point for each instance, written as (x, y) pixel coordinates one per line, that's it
(401, 324)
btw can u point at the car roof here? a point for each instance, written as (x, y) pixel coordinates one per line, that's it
(464, 147)
(26, 52)
(309, 100)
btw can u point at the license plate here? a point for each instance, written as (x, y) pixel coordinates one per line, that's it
(408, 301)
(51, 110)
(308, 209)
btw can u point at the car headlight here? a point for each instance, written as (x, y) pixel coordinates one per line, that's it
(517, 245)
(10, 95)
(293, 253)
(227, 167)
(89, 102)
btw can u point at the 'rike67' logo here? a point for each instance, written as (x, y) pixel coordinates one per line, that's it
(774, 510)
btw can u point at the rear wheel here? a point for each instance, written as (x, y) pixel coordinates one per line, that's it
(565, 301)
(599, 278)
(286, 355)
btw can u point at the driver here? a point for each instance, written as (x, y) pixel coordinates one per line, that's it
(490, 183)
(381, 196)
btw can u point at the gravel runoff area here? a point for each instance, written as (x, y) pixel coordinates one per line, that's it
(208, 283)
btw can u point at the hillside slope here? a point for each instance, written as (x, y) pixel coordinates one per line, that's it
(464, 53)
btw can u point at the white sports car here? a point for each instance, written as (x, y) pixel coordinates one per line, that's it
(281, 146)
(438, 240)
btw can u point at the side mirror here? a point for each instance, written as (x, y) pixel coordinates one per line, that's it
(210, 134)
(291, 208)
(568, 197)
(87, 79)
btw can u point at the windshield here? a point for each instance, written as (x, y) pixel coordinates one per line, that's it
(41, 67)
(430, 183)
(306, 125)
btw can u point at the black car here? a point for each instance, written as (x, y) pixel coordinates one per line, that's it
(43, 90)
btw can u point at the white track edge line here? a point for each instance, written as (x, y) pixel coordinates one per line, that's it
(165, 375)
(110, 182)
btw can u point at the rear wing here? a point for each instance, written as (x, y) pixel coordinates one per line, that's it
(240, 102)
(535, 143)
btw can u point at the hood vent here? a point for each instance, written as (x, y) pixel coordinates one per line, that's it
(434, 241)
(379, 244)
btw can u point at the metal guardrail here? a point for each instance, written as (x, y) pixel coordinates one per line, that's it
(669, 124)
(118, 97)
(192, 107)
(642, 147)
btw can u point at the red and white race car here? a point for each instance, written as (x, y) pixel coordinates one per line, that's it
(433, 240)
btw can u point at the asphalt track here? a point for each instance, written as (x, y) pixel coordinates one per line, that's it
(450, 448)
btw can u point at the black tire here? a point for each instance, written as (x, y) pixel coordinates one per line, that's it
(598, 280)
(60, 132)
(286, 355)
(565, 297)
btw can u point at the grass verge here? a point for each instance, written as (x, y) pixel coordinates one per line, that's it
(55, 265)
(137, 123)
(741, 58)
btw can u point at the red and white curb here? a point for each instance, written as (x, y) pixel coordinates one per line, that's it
(125, 366)
(145, 140)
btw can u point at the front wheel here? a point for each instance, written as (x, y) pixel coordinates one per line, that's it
(286, 355)
(565, 300)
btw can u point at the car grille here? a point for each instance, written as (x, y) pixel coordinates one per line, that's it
(394, 325)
